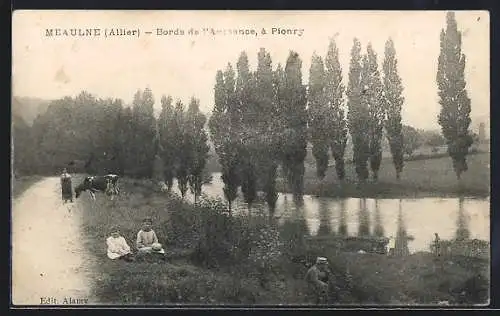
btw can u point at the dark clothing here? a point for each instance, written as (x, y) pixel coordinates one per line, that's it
(66, 188)
(317, 281)
(437, 244)
(128, 257)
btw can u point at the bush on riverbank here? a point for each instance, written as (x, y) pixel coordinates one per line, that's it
(220, 259)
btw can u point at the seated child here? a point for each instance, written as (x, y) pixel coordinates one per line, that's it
(117, 246)
(147, 241)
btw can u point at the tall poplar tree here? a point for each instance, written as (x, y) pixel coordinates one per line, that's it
(199, 155)
(280, 124)
(223, 127)
(454, 117)
(247, 108)
(167, 141)
(319, 115)
(183, 146)
(268, 129)
(393, 100)
(372, 92)
(357, 116)
(144, 132)
(295, 101)
(335, 98)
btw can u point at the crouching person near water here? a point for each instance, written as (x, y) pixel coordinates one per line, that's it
(147, 241)
(117, 246)
(317, 281)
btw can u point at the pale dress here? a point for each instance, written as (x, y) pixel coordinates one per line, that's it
(117, 247)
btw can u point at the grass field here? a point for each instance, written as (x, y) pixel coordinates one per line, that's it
(358, 278)
(420, 178)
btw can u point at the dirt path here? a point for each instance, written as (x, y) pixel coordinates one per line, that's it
(49, 262)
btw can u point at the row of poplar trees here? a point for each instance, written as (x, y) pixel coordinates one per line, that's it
(265, 119)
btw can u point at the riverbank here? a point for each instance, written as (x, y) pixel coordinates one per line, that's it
(218, 259)
(433, 177)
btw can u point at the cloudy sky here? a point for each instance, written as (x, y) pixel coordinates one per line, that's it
(185, 65)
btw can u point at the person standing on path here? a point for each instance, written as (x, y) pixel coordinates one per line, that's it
(66, 187)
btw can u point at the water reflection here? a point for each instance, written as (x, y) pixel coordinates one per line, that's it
(378, 231)
(343, 218)
(409, 219)
(364, 219)
(325, 227)
(462, 225)
(401, 247)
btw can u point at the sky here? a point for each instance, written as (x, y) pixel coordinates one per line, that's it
(185, 65)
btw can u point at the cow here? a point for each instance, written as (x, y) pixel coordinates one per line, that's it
(107, 184)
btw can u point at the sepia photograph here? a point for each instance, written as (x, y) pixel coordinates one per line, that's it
(250, 158)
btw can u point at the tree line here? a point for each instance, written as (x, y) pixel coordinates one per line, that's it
(261, 121)
(265, 119)
(96, 136)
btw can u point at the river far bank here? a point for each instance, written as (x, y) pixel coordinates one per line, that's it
(420, 178)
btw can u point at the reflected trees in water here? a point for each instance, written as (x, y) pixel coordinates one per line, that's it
(462, 232)
(325, 227)
(378, 230)
(342, 231)
(364, 219)
(401, 242)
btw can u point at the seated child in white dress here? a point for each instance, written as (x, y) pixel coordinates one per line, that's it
(147, 241)
(117, 246)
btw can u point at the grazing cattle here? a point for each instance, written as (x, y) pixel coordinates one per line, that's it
(106, 184)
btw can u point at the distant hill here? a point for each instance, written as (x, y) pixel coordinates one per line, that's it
(29, 108)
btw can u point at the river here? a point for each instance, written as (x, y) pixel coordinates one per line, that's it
(421, 217)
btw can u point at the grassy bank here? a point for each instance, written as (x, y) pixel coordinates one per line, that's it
(218, 259)
(21, 184)
(420, 178)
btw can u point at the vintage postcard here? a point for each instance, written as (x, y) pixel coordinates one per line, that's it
(250, 158)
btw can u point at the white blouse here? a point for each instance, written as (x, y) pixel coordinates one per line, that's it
(117, 247)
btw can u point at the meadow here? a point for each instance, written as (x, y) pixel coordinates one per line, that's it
(214, 258)
(421, 177)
